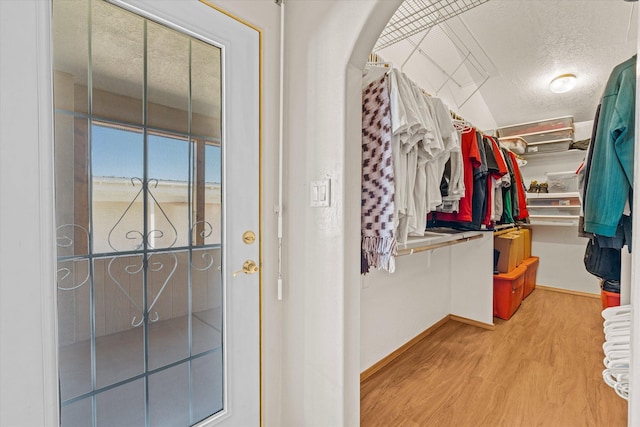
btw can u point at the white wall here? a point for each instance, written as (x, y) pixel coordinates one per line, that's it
(425, 288)
(471, 267)
(397, 307)
(561, 254)
(321, 325)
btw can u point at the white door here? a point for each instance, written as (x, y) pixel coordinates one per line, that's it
(157, 213)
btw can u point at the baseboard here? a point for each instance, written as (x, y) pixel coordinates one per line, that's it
(568, 291)
(406, 346)
(488, 326)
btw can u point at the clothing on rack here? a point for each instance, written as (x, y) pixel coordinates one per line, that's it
(606, 178)
(520, 190)
(610, 176)
(510, 204)
(583, 174)
(424, 139)
(480, 197)
(497, 169)
(493, 197)
(451, 141)
(501, 180)
(471, 159)
(404, 125)
(378, 240)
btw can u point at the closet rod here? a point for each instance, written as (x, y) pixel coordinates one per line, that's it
(456, 116)
(404, 252)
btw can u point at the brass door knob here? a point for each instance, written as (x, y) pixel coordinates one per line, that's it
(249, 267)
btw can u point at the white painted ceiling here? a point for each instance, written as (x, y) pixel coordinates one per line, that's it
(518, 46)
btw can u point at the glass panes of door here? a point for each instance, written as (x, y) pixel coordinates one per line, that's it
(138, 213)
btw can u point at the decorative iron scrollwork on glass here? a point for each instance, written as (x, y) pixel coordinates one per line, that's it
(65, 240)
(143, 240)
(139, 238)
(135, 268)
(157, 267)
(131, 269)
(207, 230)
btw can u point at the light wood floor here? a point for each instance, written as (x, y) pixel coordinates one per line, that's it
(541, 368)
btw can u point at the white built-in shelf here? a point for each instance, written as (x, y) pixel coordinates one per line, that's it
(541, 155)
(551, 141)
(552, 195)
(557, 217)
(567, 219)
(565, 223)
(554, 206)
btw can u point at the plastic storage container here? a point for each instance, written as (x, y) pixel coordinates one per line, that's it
(609, 293)
(517, 144)
(549, 147)
(609, 299)
(507, 292)
(556, 135)
(562, 182)
(530, 275)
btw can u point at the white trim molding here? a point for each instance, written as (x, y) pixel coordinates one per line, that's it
(28, 350)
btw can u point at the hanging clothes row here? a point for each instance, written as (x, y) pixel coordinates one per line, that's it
(419, 163)
(495, 191)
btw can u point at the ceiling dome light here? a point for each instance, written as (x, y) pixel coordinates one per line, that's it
(563, 83)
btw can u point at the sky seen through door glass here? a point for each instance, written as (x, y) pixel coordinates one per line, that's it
(117, 153)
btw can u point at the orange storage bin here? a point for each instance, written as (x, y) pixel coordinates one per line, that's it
(507, 292)
(530, 275)
(609, 299)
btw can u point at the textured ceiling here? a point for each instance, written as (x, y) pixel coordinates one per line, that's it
(531, 41)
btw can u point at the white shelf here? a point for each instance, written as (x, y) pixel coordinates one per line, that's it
(552, 195)
(553, 206)
(552, 153)
(551, 141)
(561, 217)
(571, 223)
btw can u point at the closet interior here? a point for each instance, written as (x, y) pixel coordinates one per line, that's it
(474, 170)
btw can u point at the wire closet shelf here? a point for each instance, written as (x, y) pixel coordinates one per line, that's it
(415, 16)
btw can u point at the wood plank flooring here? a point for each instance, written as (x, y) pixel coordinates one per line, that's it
(543, 367)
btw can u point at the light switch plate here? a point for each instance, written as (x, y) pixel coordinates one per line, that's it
(320, 193)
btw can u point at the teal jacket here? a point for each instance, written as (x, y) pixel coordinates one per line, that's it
(611, 174)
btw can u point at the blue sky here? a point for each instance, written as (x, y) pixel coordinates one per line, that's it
(119, 153)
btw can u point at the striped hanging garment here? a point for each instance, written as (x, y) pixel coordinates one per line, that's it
(378, 240)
